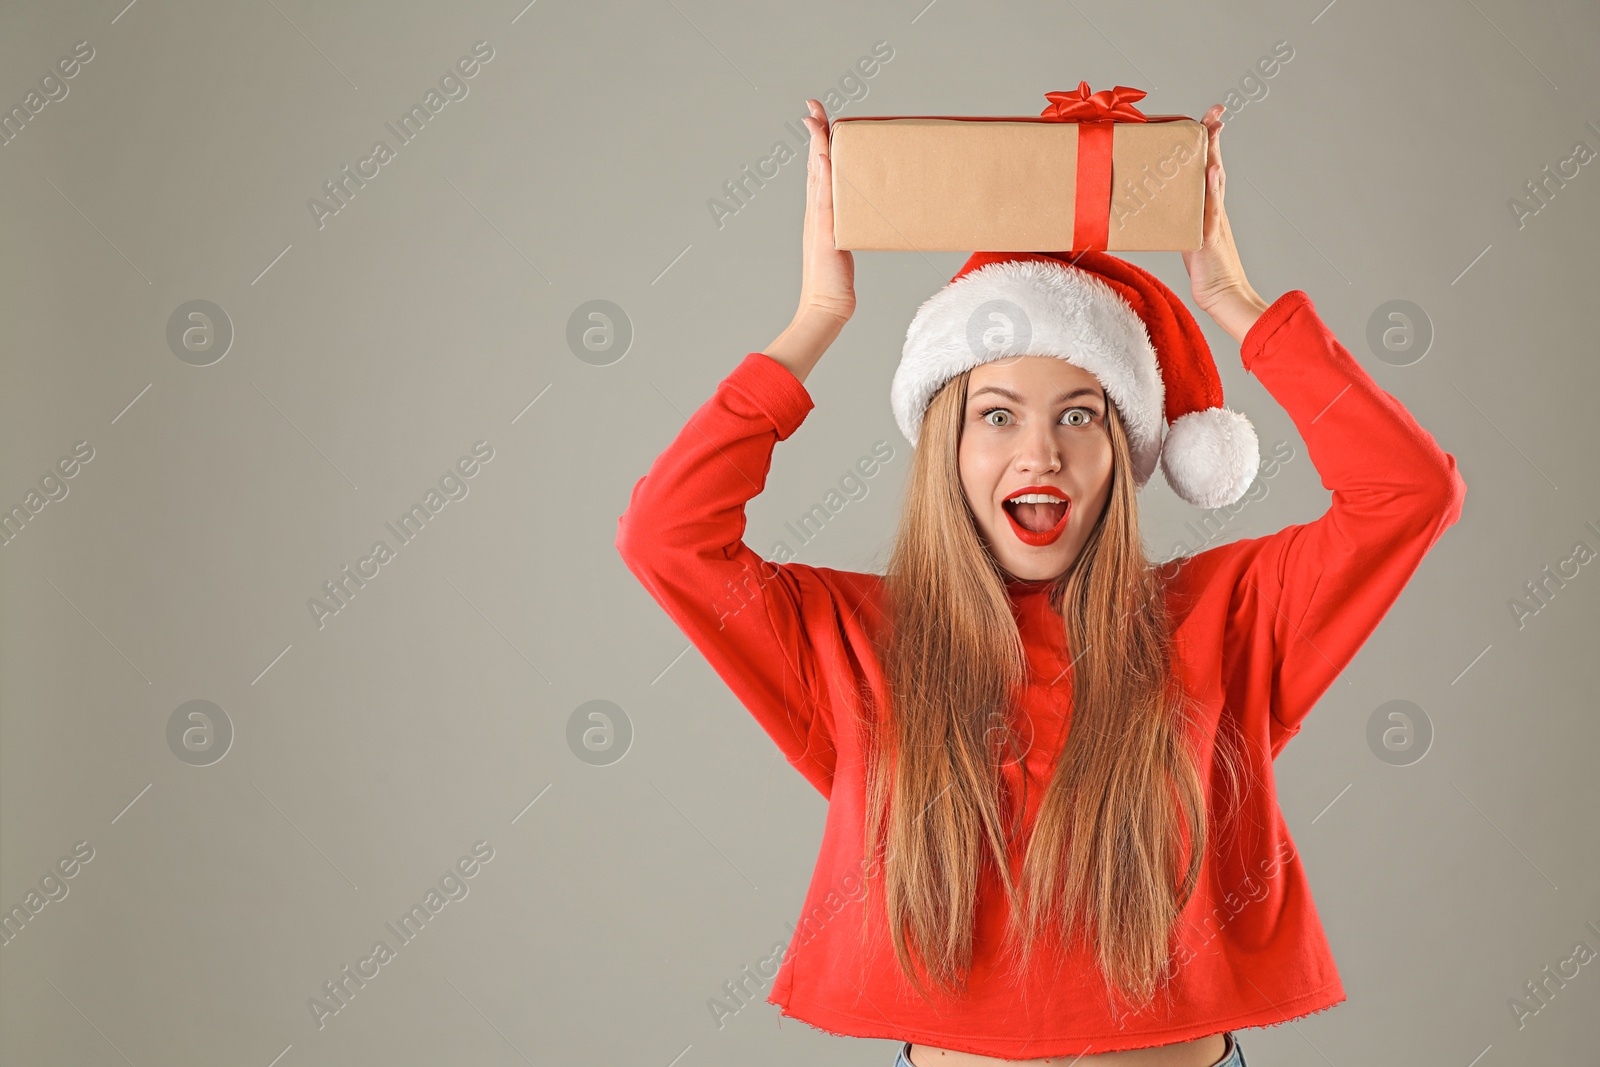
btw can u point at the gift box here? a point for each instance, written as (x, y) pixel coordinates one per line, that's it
(1090, 172)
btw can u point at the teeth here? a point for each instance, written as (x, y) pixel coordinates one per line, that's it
(1035, 498)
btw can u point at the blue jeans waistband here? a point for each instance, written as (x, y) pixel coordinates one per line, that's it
(1232, 1056)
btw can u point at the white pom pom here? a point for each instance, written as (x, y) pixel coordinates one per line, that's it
(1210, 457)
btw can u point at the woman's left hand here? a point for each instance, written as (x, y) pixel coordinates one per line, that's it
(1216, 276)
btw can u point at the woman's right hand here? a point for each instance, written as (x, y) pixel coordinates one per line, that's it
(828, 275)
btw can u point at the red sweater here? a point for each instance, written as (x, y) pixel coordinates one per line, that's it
(1263, 627)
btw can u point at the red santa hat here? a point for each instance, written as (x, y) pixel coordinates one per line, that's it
(1109, 317)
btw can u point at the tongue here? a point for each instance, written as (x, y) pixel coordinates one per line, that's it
(1036, 518)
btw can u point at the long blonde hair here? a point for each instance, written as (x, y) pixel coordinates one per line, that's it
(1115, 851)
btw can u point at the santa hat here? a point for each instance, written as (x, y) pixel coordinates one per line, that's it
(1109, 317)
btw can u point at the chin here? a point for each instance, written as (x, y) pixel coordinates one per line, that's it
(1027, 563)
(1036, 574)
(1038, 568)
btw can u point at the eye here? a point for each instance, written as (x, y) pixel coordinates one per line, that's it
(1086, 419)
(991, 411)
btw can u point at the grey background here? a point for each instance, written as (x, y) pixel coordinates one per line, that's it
(433, 711)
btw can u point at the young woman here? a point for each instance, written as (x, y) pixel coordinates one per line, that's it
(1052, 832)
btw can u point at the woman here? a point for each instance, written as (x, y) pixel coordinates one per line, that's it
(1052, 832)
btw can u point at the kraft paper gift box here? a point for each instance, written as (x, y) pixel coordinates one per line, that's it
(1091, 172)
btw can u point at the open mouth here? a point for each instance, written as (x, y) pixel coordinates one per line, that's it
(1037, 518)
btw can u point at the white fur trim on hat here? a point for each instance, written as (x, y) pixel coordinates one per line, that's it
(1029, 308)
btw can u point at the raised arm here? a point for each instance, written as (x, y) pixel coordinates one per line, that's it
(682, 537)
(1306, 598)
(758, 623)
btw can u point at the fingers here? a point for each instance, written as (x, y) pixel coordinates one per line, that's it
(813, 163)
(1210, 222)
(1214, 126)
(817, 123)
(1214, 215)
(1215, 176)
(818, 165)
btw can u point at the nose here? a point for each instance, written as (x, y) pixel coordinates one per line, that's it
(1039, 451)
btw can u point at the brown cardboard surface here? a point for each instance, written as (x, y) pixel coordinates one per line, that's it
(949, 185)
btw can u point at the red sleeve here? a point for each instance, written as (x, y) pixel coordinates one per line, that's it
(682, 537)
(1308, 597)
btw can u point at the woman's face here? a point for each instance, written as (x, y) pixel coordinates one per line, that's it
(1035, 423)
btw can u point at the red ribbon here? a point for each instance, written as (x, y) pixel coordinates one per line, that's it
(1095, 114)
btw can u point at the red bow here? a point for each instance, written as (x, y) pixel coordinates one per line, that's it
(1095, 114)
(1108, 105)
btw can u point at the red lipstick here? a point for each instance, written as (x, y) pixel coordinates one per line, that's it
(1039, 538)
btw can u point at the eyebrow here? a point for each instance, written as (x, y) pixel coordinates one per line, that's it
(1068, 395)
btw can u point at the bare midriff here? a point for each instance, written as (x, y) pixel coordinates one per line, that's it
(1201, 1052)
